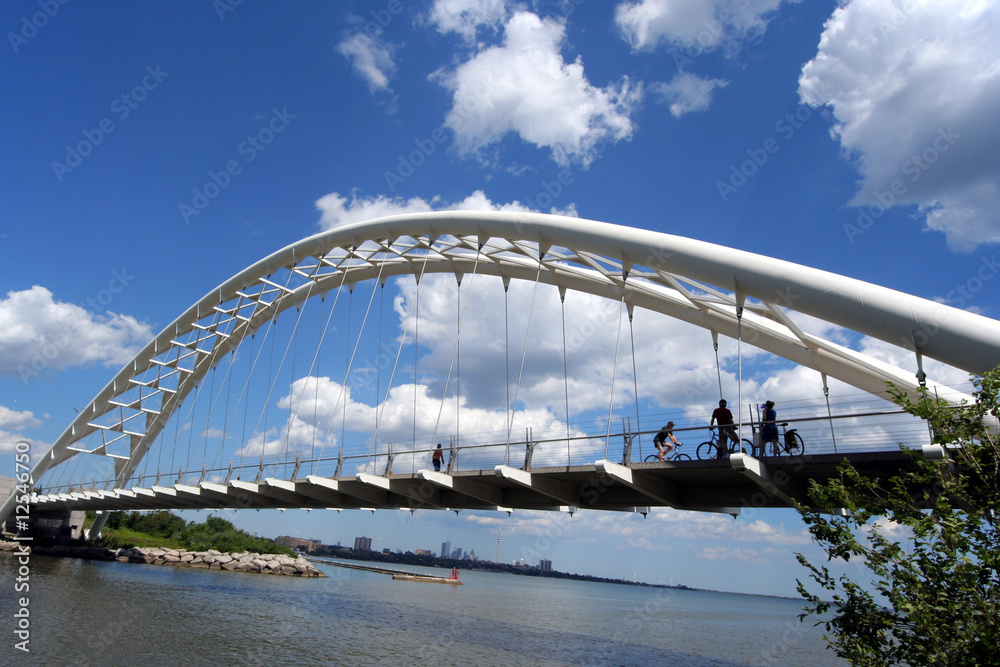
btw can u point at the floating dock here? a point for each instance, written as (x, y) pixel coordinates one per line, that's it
(430, 578)
(397, 575)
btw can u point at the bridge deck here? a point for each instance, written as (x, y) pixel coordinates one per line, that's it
(718, 486)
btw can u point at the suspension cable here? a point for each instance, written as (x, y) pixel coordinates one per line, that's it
(506, 349)
(329, 319)
(271, 381)
(718, 370)
(342, 397)
(416, 356)
(739, 387)
(614, 371)
(378, 365)
(347, 369)
(524, 350)
(272, 374)
(322, 338)
(562, 308)
(293, 405)
(635, 377)
(211, 409)
(381, 407)
(456, 354)
(246, 404)
(315, 366)
(458, 358)
(829, 413)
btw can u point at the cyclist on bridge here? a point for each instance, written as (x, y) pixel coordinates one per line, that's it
(665, 440)
(727, 430)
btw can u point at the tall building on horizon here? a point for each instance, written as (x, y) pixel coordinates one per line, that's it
(362, 543)
(445, 549)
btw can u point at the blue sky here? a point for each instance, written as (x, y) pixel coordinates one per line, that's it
(858, 137)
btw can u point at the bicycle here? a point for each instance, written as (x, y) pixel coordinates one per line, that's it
(710, 449)
(789, 443)
(673, 455)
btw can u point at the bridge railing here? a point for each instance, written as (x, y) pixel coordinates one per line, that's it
(880, 430)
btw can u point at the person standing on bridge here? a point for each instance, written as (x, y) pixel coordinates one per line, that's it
(437, 458)
(727, 431)
(769, 430)
(665, 440)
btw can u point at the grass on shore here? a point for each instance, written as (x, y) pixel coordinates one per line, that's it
(167, 530)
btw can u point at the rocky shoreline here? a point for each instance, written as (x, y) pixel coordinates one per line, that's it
(206, 560)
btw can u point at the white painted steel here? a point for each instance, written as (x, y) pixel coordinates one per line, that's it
(694, 281)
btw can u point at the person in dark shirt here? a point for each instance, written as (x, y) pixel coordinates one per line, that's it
(665, 440)
(769, 430)
(727, 430)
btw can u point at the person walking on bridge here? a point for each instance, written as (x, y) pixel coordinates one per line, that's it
(437, 458)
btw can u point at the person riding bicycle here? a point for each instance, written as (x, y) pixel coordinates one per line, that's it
(727, 429)
(665, 440)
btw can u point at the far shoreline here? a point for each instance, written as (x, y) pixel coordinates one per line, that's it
(409, 558)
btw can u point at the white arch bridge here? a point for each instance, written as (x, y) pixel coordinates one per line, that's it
(215, 413)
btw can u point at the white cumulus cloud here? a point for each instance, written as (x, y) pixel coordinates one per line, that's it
(9, 441)
(371, 57)
(686, 93)
(693, 25)
(914, 89)
(465, 17)
(525, 87)
(337, 211)
(39, 334)
(17, 420)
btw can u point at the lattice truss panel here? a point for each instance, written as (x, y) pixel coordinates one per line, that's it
(125, 418)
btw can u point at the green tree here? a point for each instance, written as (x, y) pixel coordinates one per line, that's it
(934, 598)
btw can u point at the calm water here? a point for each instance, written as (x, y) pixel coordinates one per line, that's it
(96, 613)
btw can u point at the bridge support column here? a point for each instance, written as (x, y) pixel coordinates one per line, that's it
(758, 472)
(559, 491)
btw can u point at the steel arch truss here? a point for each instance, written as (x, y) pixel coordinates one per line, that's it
(726, 291)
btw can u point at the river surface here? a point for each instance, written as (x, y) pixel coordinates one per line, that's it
(109, 613)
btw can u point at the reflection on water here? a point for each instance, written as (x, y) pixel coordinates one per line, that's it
(97, 613)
